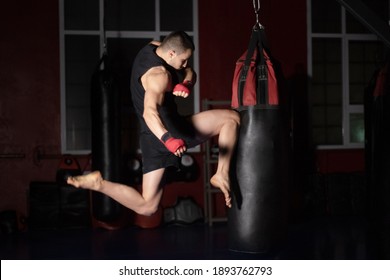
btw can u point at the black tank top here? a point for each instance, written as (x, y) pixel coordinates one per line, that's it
(146, 59)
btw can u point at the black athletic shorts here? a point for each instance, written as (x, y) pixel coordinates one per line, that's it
(154, 153)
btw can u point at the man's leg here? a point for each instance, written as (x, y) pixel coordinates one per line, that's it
(144, 204)
(224, 123)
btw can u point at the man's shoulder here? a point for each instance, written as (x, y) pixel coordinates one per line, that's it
(159, 72)
(159, 69)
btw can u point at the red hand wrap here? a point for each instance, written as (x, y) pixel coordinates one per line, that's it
(184, 86)
(172, 144)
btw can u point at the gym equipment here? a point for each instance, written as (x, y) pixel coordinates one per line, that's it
(105, 110)
(185, 211)
(257, 220)
(377, 149)
(68, 166)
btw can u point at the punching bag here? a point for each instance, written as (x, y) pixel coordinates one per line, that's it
(377, 148)
(257, 219)
(105, 110)
(260, 175)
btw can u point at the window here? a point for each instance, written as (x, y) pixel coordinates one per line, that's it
(127, 26)
(343, 57)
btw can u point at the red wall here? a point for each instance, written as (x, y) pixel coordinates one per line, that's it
(333, 161)
(30, 85)
(30, 96)
(224, 31)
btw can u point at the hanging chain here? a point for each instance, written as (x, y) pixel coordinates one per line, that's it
(256, 7)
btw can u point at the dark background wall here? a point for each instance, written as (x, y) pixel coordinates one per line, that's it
(30, 85)
(29, 97)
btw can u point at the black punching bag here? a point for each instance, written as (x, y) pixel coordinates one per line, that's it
(105, 109)
(260, 175)
(377, 147)
(257, 219)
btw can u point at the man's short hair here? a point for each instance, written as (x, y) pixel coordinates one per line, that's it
(178, 41)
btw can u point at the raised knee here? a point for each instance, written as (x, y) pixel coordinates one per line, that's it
(235, 116)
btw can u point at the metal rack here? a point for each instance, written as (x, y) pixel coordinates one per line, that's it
(209, 164)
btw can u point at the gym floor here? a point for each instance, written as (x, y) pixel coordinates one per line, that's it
(320, 238)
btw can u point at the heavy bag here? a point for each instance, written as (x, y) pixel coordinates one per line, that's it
(254, 80)
(377, 149)
(257, 220)
(105, 111)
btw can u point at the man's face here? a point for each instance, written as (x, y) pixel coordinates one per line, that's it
(180, 61)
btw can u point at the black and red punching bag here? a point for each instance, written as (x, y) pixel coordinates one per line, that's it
(105, 110)
(260, 175)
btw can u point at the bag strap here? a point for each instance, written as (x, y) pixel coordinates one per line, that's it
(262, 71)
(253, 42)
(257, 43)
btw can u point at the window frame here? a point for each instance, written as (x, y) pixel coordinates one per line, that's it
(347, 108)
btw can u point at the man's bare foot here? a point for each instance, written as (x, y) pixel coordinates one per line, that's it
(223, 183)
(92, 181)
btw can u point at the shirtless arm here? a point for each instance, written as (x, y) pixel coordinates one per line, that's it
(156, 82)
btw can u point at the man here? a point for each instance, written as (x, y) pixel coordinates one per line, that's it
(161, 72)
